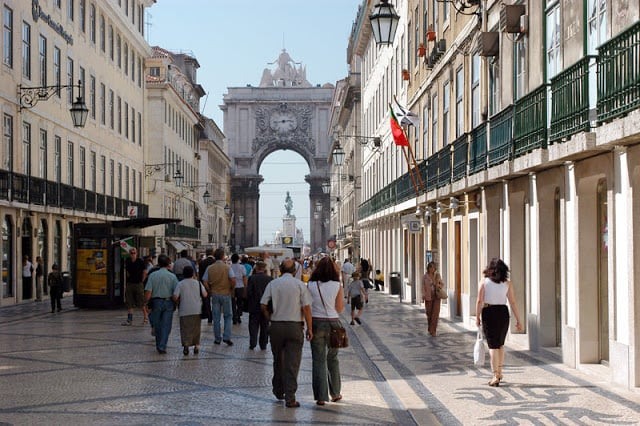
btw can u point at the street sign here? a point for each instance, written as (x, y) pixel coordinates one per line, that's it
(132, 211)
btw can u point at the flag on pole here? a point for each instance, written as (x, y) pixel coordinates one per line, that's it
(398, 134)
(405, 116)
(126, 245)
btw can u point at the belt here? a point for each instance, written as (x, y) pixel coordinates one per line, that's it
(288, 322)
(160, 298)
(325, 319)
(486, 305)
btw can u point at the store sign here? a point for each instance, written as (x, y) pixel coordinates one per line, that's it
(38, 13)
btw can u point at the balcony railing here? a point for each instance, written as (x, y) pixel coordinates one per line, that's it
(91, 201)
(501, 136)
(444, 166)
(460, 157)
(619, 74)
(79, 202)
(570, 101)
(180, 231)
(404, 188)
(111, 206)
(530, 122)
(5, 184)
(37, 189)
(478, 149)
(432, 172)
(66, 196)
(20, 188)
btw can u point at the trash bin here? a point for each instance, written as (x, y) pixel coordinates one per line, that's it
(395, 283)
(66, 281)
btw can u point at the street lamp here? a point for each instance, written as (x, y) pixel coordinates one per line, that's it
(150, 169)
(326, 187)
(30, 96)
(338, 155)
(384, 22)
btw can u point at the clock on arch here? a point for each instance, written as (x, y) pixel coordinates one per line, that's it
(283, 121)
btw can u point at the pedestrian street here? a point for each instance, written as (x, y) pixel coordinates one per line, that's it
(81, 367)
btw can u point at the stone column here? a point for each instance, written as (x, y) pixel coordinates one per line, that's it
(318, 211)
(245, 195)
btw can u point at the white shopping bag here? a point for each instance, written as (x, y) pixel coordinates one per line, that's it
(479, 350)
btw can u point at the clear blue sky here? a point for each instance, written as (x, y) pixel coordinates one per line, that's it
(234, 40)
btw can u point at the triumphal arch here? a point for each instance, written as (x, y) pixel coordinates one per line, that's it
(284, 112)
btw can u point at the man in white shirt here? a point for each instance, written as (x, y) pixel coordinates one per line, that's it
(347, 269)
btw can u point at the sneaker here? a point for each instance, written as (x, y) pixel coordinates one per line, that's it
(185, 350)
(217, 342)
(196, 350)
(358, 321)
(228, 342)
(127, 322)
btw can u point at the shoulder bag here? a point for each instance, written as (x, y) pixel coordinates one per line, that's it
(479, 350)
(441, 293)
(338, 335)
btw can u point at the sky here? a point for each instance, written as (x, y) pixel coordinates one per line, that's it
(233, 41)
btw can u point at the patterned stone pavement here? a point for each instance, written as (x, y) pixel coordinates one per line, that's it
(81, 367)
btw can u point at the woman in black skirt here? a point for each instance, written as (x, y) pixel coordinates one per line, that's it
(493, 294)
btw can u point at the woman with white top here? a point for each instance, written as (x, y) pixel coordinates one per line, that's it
(189, 294)
(327, 304)
(493, 294)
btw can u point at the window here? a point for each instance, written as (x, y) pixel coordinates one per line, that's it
(425, 20)
(111, 47)
(126, 120)
(112, 171)
(119, 180)
(102, 34)
(70, 11)
(42, 160)
(494, 88)
(57, 160)
(57, 68)
(83, 169)
(82, 10)
(139, 72)
(26, 148)
(140, 129)
(70, 80)
(425, 131)
(83, 80)
(120, 115)
(57, 3)
(519, 65)
(133, 184)
(133, 65)
(92, 23)
(596, 24)
(446, 102)
(111, 110)
(416, 37)
(445, 12)
(475, 91)
(7, 142)
(103, 104)
(92, 96)
(553, 42)
(126, 59)
(133, 125)
(459, 102)
(434, 124)
(26, 50)
(103, 174)
(93, 171)
(434, 22)
(70, 163)
(126, 7)
(7, 37)
(43, 59)
(154, 71)
(126, 183)
(119, 51)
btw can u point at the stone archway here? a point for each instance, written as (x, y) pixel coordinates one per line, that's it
(284, 113)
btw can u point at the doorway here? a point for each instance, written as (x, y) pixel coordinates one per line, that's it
(458, 266)
(603, 268)
(27, 254)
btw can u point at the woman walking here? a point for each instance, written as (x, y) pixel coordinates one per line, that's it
(430, 282)
(327, 303)
(188, 295)
(493, 294)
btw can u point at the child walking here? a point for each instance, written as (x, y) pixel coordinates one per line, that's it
(357, 296)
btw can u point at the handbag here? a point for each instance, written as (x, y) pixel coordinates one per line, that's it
(338, 335)
(441, 293)
(205, 310)
(479, 350)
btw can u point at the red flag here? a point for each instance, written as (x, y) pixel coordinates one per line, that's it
(398, 134)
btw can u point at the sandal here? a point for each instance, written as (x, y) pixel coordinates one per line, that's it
(292, 404)
(336, 398)
(319, 402)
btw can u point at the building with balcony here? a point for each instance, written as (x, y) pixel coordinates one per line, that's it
(53, 174)
(527, 150)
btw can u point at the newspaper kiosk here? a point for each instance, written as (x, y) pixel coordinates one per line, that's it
(97, 265)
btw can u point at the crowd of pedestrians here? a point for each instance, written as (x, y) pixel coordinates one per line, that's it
(302, 299)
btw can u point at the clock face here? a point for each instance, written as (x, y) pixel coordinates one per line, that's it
(283, 122)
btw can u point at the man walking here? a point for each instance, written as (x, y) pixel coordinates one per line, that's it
(291, 303)
(240, 292)
(134, 291)
(258, 322)
(347, 269)
(220, 284)
(159, 290)
(202, 269)
(179, 264)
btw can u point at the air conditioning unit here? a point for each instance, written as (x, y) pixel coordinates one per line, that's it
(524, 24)
(438, 50)
(510, 18)
(489, 43)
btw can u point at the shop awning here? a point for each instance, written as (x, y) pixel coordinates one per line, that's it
(187, 245)
(142, 222)
(176, 245)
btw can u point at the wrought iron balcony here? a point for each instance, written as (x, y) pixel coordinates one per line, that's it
(530, 122)
(501, 136)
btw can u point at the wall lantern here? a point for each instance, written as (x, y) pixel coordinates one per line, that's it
(30, 96)
(384, 22)
(338, 155)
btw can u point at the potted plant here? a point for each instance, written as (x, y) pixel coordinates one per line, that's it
(431, 35)
(422, 50)
(405, 74)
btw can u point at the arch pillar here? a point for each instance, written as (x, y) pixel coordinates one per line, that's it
(319, 205)
(245, 195)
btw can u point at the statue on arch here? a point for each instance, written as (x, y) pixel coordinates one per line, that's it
(288, 204)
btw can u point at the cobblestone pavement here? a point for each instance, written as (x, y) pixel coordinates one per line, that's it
(82, 367)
